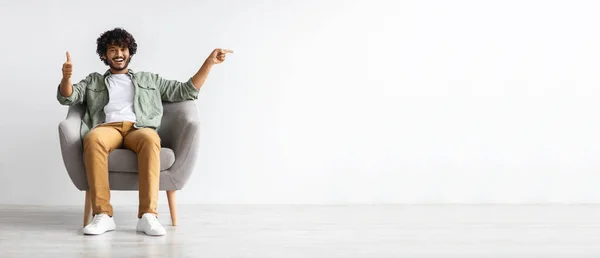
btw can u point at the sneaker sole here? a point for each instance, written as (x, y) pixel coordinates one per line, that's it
(98, 233)
(151, 234)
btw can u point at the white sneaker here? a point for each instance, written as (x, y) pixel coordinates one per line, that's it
(149, 224)
(100, 224)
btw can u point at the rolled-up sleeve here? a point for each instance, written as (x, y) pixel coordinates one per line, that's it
(175, 91)
(77, 96)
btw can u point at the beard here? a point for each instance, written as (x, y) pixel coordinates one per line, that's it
(119, 67)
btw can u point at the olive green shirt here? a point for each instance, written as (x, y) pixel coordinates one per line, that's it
(150, 90)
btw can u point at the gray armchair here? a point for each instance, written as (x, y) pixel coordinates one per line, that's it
(179, 133)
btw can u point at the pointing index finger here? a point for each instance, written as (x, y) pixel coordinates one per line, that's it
(226, 51)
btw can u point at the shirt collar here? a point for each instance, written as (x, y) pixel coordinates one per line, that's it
(108, 73)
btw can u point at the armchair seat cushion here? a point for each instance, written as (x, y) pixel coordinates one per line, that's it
(124, 160)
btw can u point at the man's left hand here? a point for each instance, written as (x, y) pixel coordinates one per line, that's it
(218, 55)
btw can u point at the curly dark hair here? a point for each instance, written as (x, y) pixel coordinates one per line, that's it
(117, 36)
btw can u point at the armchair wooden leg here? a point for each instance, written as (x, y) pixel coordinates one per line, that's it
(87, 213)
(172, 206)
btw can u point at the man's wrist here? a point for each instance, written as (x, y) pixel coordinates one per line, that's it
(65, 82)
(209, 62)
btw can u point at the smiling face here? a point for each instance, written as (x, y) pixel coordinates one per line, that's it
(118, 58)
(115, 48)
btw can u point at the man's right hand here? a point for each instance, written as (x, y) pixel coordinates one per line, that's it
(67, 68)
(66, 89)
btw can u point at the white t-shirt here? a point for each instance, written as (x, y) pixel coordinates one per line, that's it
(120, 99)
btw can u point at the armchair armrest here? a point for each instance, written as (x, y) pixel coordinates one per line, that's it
(182, 135)
(72, 147)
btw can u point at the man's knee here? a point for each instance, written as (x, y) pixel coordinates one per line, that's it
(100, 139)
(149, 137)
(93, 138)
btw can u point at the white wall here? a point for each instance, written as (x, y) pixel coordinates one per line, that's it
(333, 102)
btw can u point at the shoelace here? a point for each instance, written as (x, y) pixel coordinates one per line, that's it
(97, 218)
(153, 221)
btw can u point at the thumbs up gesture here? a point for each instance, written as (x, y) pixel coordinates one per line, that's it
(67, 68)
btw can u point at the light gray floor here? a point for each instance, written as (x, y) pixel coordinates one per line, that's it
(313, 231)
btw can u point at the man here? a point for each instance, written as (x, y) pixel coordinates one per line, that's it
(124, 109)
